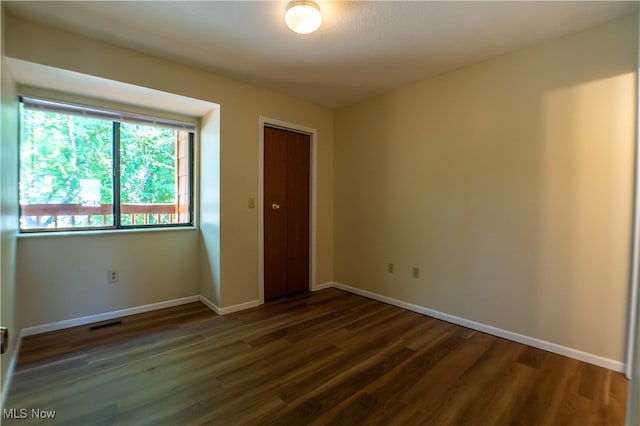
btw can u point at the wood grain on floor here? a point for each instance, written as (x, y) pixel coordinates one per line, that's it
(314, 359)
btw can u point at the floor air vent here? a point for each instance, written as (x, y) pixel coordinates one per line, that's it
(105, 325)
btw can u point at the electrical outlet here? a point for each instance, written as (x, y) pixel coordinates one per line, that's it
(416, 272)
(390, 268)
(113, 276)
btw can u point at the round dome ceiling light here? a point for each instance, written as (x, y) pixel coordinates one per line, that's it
(303, 16)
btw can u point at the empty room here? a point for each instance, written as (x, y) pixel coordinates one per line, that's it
(319, 212)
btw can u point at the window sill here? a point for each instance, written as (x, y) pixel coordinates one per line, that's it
(82, 233)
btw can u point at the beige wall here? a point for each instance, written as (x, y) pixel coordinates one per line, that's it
(235, 264)
(8, 208)
(64, 277)
(209, 200)
(509, 183)
(633, 405)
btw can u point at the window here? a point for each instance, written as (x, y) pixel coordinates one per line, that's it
(88, 168)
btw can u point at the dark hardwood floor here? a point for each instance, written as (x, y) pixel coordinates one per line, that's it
(324, 358)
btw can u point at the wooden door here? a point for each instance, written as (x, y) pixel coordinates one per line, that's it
(286, 212)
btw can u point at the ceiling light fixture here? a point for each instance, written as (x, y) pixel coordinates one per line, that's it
(303, 16)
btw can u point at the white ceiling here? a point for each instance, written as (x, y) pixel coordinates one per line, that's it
(362, 49)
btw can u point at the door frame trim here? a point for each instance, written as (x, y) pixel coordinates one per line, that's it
(313, 168)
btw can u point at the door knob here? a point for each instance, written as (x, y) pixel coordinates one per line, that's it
(275, 206)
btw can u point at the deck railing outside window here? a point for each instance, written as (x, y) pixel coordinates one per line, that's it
(84, 167)
(61, 216)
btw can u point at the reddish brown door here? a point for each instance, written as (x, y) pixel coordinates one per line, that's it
(286, 212)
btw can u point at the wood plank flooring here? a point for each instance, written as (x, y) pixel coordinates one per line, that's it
(314, 359)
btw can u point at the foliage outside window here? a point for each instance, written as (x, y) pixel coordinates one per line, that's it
(84, 168)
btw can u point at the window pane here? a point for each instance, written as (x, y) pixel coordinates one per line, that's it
(65, 171)
(154, 175)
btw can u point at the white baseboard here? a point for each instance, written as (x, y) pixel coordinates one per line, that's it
(229, 309)
(73, 322)
(239, 307)
(506, 334)
(322, 286)
(12, 367)
(209, 304)
(28, 331)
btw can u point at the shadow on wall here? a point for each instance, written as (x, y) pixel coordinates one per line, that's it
(209, 207)
(509, 183)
